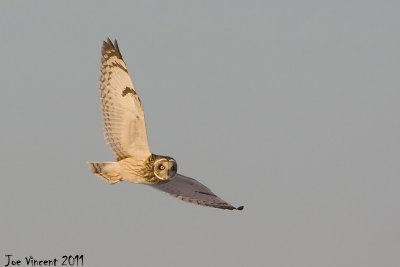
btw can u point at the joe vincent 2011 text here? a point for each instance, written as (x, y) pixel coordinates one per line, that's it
(76, 260)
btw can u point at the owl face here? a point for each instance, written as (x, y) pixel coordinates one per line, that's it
(165, 168)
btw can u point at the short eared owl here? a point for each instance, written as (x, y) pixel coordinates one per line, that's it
(125, 132)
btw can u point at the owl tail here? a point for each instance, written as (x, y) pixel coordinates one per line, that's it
(108, 171)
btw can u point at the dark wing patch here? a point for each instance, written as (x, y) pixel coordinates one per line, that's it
(128, 90)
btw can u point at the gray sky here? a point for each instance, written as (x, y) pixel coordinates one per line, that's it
(290, 108)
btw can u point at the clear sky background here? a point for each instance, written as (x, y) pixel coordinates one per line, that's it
(290, 108)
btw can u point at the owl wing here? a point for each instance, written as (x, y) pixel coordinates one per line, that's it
(190, 190)
(122, 112)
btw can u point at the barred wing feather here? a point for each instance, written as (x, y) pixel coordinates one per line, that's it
(122, 112)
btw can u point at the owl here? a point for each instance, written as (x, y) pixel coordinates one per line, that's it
(125, 132)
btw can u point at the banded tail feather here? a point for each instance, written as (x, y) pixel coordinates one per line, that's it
(108, 171)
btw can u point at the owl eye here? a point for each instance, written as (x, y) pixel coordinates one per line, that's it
(161, 167)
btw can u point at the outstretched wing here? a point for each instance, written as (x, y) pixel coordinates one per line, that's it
(122, 112)
(190, 190)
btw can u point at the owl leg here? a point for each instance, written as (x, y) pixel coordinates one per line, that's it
(108, 171)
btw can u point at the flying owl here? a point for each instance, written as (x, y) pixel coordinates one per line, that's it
(125, 133)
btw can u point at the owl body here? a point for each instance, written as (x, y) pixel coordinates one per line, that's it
(154, 169)
(125, 132)
(135, 170)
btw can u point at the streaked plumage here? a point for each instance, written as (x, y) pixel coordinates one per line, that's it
(125, 132)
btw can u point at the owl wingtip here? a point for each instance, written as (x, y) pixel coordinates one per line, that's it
(240, 208)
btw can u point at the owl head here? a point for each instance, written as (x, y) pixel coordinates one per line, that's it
(165, 168)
